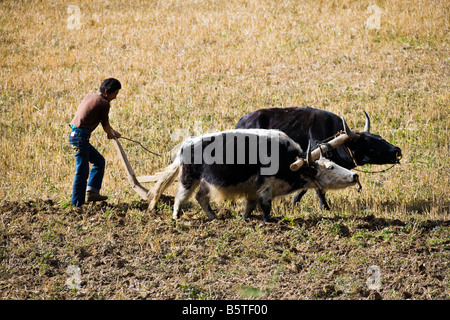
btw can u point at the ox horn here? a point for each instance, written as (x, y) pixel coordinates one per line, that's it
(309, 159)
(348, 131)
(367, 124)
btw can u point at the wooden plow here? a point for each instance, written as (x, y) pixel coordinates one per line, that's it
(136, 186)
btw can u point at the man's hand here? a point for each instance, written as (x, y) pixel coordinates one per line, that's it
(111, 134)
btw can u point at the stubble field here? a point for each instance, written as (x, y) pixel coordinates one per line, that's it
(190, 67)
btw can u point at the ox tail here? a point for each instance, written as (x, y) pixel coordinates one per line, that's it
(163, 180)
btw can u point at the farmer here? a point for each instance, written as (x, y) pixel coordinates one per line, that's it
(94, 109)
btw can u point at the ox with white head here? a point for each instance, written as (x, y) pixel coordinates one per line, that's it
(254, 164)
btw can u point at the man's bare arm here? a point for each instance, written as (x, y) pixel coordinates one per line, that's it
(110, 132)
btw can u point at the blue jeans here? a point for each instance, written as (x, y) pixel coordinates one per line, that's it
(85, 153)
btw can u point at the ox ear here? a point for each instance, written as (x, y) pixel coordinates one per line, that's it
(367, 124)
(309, 160)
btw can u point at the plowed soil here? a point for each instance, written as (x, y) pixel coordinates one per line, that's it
(121, 251)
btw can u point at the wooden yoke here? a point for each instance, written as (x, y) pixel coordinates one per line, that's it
(332, 144)
(130, 173)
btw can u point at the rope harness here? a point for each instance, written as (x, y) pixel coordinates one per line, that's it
(141, 146)
(363, 171)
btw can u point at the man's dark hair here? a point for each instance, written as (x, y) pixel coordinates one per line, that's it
(110, 85)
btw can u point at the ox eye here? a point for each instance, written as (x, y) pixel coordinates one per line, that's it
(331, 167)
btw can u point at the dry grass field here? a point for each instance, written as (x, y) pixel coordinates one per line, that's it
(190, 67)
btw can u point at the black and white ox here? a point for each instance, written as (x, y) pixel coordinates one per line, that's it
(252, 164)
(308, 125)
